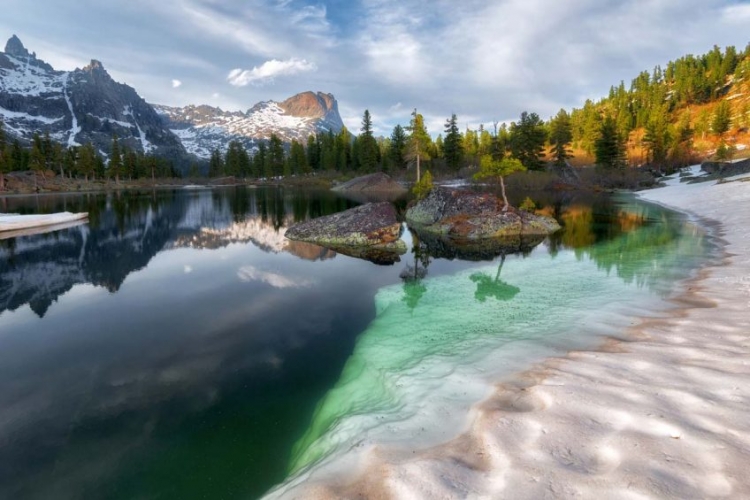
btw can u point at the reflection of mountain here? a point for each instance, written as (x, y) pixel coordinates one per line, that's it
(127, 230)
(253, 230)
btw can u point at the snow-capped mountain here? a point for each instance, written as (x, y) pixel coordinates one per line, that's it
(205, 128)
(87, 105)
(79, 106)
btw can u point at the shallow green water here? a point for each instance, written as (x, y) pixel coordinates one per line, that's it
(177, 346)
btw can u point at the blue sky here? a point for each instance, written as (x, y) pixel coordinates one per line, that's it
(481, 59)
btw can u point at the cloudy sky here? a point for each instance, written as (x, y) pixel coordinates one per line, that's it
(484, 60)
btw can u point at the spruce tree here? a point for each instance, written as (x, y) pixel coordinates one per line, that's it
(722, 118)
(115, 160)
(560, 137)
(275, 156)
(397, 147)
(453, 150)
(367, 145)
(419, 143)
(215, 164)
(527, 139)
(609, 147)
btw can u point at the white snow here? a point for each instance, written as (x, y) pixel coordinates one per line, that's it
(75, 129)
(662, 415)
(11, 115)
(29, 80)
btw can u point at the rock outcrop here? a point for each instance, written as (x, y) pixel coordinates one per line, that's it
(373, 226)
(465, 215)
(717, 169)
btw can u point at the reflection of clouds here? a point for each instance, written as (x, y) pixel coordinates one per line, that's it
(188, 269)
(251, 273)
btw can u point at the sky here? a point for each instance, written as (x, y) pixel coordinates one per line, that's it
(484, 60)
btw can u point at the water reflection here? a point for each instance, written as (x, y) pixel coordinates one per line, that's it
(125, 232)
(495, 288)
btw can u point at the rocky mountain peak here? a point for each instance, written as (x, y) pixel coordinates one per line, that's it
(310, 105)
(15, 48)
(94, 66)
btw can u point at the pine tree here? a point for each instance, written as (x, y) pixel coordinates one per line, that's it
(115, 160)
(367, 145)
(4, 157)
(609, 148)
(419, 142)
(87, 161)
(398, 146)
(527, 139)
(453, 149)
(560, 137)
(259, 160)
(275, 156)
(37, 162)
(657, 138)
(722, 118)
(297, 159)
(490, 167)
(216, 164)
(313, 152)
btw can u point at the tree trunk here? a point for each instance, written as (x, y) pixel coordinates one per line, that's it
(505, 198)
(2, 181)
(418, 176)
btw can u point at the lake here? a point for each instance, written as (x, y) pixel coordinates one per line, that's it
(178, 346)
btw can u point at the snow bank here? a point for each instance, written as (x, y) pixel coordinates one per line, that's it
(661, 415)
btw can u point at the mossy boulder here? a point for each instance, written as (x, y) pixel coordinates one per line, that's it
(373, 225)
(466, 215)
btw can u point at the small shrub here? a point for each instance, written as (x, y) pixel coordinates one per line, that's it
(527, 205)
(423, 187)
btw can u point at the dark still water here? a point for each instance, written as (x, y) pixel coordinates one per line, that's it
(178, 346)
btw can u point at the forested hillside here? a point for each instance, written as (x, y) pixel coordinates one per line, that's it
(691, 109)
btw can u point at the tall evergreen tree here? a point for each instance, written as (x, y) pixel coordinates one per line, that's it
(259, 160)
(87, 161)
(275, 163)
(397, 149)
(722, 119)
(609, 148)
(527, 139)
(657, 138)
(367, 145)
(313, 152)
(215, 164)
(5, 165)
(560, 137)
(418, 145)
(453, 149)
(115, 160)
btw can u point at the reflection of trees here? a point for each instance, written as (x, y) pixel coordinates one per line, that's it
(127, 229)
(489, 287)
(412, 276)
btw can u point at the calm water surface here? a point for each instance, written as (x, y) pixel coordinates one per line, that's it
(178, 346)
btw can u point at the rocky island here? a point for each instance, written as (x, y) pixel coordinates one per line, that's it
(468, 216)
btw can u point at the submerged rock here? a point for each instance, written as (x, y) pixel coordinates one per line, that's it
(465, 215)
(372, 183)
(371, 226)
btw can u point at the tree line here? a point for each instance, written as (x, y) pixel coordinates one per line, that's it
(658, 103)
(80, 161)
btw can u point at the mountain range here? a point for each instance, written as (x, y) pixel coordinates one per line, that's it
(87, 105)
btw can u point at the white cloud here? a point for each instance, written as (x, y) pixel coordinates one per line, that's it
(176, 84)
(269, 70)
(250, 273)
(739, 13)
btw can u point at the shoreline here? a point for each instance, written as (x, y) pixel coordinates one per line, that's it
(659, 411)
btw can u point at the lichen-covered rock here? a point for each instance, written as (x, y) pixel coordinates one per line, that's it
(465, 215)
(371, 183)
(370, 225)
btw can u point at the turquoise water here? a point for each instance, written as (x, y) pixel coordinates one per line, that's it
(178, 346)
(437, 344)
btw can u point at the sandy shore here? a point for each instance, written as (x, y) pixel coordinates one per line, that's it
(663, 414)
